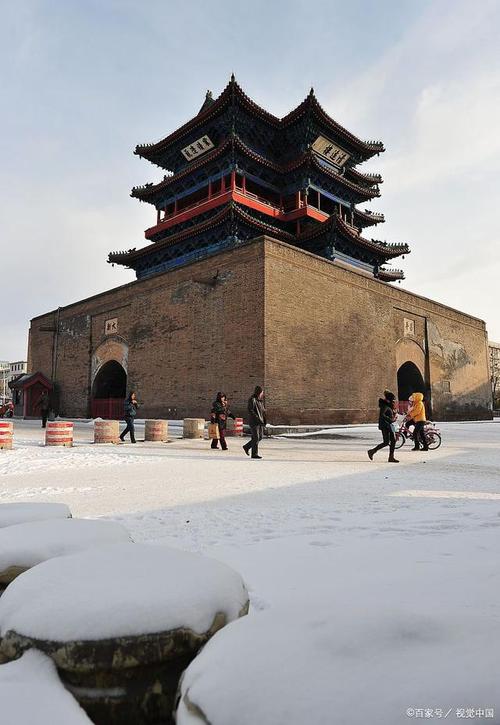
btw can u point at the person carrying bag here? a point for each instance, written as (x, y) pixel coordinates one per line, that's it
(218, 421)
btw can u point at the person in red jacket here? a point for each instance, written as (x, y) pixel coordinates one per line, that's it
(219, 414)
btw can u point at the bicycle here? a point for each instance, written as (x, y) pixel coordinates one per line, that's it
(431, 432)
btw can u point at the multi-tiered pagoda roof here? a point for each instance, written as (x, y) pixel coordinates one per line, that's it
(235, 171)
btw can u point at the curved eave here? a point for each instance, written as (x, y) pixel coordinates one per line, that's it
(390, 275)
(148, 190)
(150, 150)
(231, 92)
(367, 148)
(132, 255)
(362, 191)
(145, 192)
(366, 219)
(367, 179)
(334, 222)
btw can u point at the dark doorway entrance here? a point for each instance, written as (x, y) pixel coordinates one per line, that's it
(109, 391)
(410, 381)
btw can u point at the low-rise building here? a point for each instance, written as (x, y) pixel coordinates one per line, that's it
(4, 380)
(494, 351)
(20, 367)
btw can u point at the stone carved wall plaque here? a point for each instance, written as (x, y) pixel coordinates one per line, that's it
(111, 326)
(409, 327)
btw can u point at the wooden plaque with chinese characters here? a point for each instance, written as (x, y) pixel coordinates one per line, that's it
(326, 148)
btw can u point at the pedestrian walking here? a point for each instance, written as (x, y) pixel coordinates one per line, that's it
(131, 406)
(386, 423)
(256, 420)
(417, 414)
(44, 404)
(219, 414)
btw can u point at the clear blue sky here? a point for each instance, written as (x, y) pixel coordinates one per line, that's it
(84, 81)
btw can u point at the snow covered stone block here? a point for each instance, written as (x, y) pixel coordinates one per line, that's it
(19, 513)
(323, 666)
(121, 623)
(31, 693)
(24, 545)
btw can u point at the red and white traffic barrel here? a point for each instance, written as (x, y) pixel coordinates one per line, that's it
(59, 433)
(6, 434)
(156, 430)
(106, 431)
(234, 427)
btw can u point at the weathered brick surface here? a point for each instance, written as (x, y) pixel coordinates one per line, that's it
(324, 341)
(182, 335)
(335, 339)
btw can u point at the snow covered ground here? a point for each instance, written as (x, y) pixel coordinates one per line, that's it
(314, 528)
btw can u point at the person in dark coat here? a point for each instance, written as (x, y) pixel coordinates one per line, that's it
(386, 419)
(131, 406)
(256, 420)
(44, 404)
(219, 414)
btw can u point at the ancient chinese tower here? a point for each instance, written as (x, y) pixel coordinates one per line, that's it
(235, 171)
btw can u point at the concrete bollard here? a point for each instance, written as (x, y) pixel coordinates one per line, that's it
(234, 427)
(59, 433)
(156, 430)
(106, 431)
(193, 428)
(6, 434)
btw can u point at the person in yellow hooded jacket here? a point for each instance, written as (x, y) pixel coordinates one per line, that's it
(416, 413)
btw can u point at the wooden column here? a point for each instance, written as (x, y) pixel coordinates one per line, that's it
(222, 184)
(209, 189)
(233, 180)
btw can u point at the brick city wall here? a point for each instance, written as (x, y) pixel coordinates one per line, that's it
(182, 336)
(324, 341)
(334, 340)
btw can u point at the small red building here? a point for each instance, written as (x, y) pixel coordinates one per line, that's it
(26, 392)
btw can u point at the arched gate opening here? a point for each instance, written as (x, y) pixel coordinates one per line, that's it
(410, 380)
(108, 391)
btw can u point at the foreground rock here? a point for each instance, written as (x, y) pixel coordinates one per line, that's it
(31, 693)
(22, 546)
(20, 513)
(121, 623)
(322, 667)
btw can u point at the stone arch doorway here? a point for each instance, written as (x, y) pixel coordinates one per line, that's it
(110, 381)
(410, 380)
(109, 390)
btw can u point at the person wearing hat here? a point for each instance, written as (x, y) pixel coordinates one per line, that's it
(386, 418)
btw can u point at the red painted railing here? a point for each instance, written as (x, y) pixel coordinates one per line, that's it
(107, 408)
